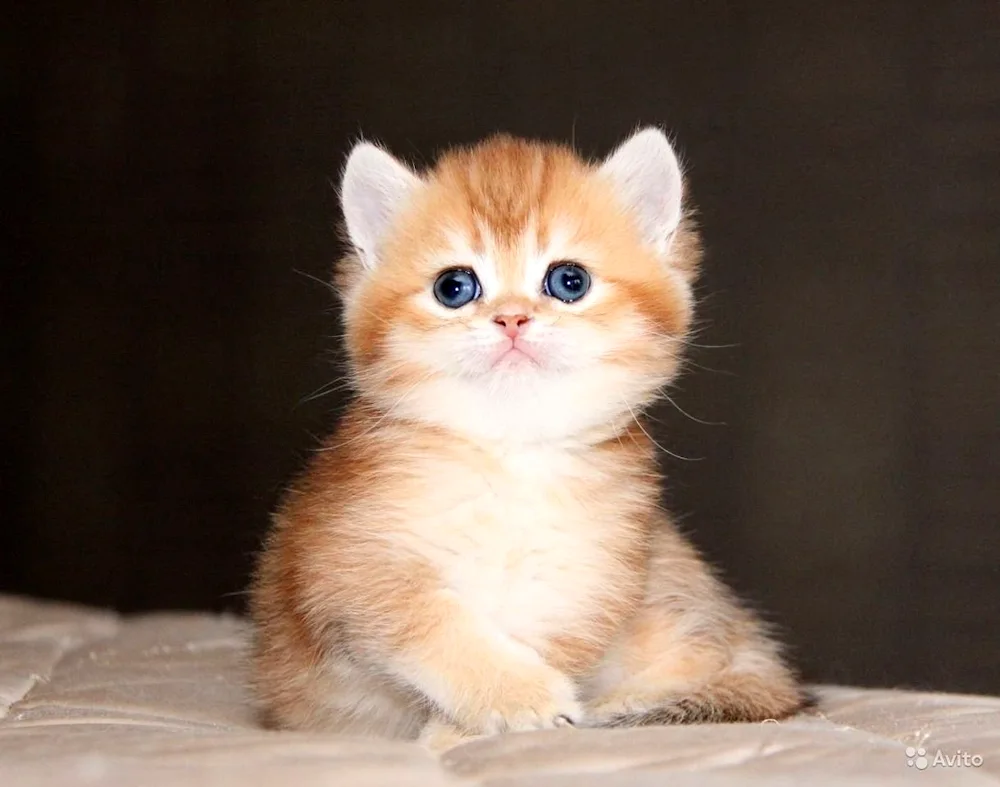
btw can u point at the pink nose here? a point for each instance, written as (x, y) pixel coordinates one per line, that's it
(512, 323)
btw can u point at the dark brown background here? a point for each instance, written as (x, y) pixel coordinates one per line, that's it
(170, 169)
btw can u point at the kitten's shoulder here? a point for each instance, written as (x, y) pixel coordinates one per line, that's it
(368, 445)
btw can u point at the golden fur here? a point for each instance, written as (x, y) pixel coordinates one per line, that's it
(480, 548)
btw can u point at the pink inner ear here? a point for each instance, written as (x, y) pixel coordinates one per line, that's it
(374, 189)
(647, 176)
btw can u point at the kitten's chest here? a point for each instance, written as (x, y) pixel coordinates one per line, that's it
(526, 541)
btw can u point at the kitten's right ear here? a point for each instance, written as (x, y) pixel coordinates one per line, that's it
(647, 176)
(374, 188)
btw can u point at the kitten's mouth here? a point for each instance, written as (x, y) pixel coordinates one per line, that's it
(516, 354)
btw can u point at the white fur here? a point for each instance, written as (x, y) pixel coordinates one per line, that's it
(573, 392)
(647, 177)
(375, 188)
(538, 552)
(561, 408)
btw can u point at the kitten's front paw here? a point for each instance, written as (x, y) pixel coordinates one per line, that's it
(541, 698)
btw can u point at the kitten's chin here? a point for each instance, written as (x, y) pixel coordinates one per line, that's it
(518, 402)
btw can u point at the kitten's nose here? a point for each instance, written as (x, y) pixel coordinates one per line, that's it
(512, 323)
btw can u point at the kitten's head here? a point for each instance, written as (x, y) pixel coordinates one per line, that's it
(515, 291)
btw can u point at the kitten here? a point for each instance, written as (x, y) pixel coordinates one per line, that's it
(479, 548)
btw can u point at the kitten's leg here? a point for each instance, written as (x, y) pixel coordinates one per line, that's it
(400, 626)
(403, 625)
(301, 686)
(484, 681)
(691, 654)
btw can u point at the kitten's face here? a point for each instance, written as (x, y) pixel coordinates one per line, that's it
(513, 293)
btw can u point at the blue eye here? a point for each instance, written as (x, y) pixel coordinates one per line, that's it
(567, 282)
(456, 287)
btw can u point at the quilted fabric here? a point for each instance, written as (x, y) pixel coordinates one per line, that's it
(88, 697)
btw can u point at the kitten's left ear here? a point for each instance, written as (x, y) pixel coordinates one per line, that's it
(647, 176)
(374, 189)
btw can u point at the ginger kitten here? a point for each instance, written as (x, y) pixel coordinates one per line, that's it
(479, 547)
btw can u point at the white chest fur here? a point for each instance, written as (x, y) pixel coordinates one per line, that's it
(518, 537)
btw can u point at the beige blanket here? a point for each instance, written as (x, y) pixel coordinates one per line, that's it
(88, 697)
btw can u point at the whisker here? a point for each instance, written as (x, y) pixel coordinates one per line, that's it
(689, 343)
(650, 437)
(684, 412)
(339, 384)
(333, 289)
(316, 279)
(696, 365)
(378, 317)
(384, 415)
(617, 433)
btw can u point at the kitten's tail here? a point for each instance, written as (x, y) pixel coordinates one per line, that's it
(732, 697)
